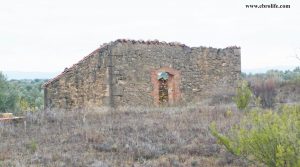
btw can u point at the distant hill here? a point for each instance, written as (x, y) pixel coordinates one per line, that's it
(29, 75)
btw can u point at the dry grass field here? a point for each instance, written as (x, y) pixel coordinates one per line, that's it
(134, 137)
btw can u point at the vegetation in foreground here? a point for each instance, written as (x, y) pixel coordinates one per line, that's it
(137, 137)
(265, 137)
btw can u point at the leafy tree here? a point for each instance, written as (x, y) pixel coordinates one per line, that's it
(8, 95)
(30, 94)
(265, 137)
(20, 95)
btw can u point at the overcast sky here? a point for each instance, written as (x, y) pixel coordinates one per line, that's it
(49, 35)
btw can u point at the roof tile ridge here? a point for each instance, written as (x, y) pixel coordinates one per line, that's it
(153, 42)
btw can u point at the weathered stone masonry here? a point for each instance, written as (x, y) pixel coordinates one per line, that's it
(125, 72)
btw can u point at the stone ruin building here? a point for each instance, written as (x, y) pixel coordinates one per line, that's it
(144, 73)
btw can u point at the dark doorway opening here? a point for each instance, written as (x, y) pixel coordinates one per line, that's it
(165, 82)
(163, 92)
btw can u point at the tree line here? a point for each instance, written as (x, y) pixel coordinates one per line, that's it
(19, 96)
(290, 76)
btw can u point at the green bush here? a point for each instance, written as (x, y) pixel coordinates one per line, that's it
(32, 146)
(243, 95)
(265, 137)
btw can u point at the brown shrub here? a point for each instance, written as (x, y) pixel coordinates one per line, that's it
(265, 90)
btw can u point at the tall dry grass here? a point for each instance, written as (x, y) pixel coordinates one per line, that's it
(124, 137)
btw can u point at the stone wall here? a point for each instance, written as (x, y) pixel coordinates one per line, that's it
(124, 72)
(82, 85)
(204, 72)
